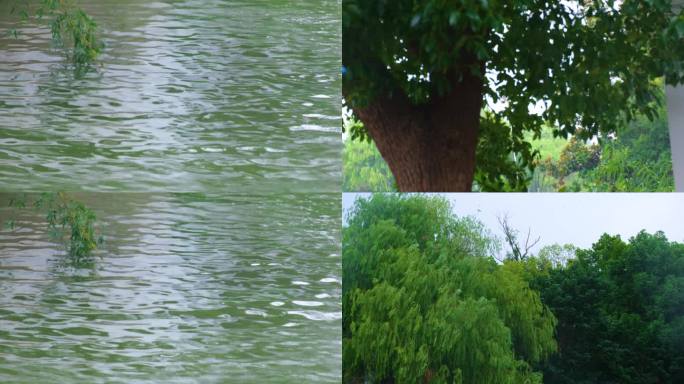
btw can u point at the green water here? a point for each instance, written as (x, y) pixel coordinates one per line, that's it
(234, 105)
(188, 288)
(221, 96)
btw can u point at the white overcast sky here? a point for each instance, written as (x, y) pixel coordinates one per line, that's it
(575, 218)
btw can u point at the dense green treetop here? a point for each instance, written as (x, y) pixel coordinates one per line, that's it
(424, 300)
(620, 310)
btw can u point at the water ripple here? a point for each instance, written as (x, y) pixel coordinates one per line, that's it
(182, 88)
(188, 288)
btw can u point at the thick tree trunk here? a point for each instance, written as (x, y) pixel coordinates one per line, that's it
(430, 147)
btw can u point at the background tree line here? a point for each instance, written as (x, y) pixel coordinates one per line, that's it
(426, 300)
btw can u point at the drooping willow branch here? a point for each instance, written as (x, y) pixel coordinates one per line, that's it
(67, 220)
(72, 28)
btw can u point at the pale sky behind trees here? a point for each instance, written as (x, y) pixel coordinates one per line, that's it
(574, 218)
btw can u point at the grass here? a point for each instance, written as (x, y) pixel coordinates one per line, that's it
(547, 145)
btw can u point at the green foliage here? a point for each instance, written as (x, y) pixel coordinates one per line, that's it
(548, 145)
(499, 166)
(364, 169)
(592, 64)
(620, 310)
(67, 220)
(502, 164)
(638, 160)
(355, 129)
(70, 26)
(557, 255)
(424, 301)
(578, 156)
(622, 172)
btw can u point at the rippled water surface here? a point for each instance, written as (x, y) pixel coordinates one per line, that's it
(190, 95)
(187, 288)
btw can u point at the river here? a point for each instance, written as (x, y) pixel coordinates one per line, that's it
(209, 96)
(186, 288)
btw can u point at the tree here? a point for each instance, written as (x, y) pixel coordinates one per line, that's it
(424, 301)
(637, 159)
(620, 310)
(422, 75)
(519, 251)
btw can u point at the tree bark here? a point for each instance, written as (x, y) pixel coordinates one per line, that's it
(428, 147)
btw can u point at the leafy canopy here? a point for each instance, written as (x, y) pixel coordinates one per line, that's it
(620, 311)
(590, 65)
(640, 159)
(424, 301)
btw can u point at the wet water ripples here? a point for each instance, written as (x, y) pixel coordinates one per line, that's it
(188, 96)
(187, 288)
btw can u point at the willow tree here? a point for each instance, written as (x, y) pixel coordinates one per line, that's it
(423, 301)
(423, 75)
